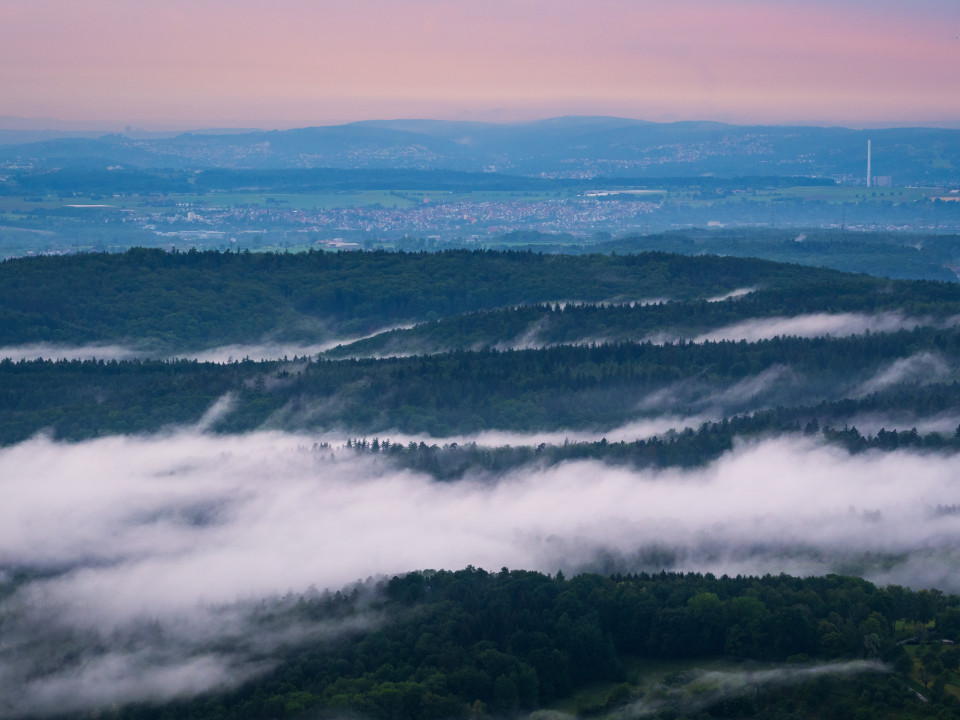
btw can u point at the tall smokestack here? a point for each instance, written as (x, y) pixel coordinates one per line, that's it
(868, 163)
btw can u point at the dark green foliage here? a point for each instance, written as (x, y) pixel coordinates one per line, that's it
(555, 388)
(460, 643)
(583, 323)
(179, 301)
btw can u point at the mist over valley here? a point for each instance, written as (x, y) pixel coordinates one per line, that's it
(479, 361)
(186, 518)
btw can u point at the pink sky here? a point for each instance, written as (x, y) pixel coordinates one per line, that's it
(291, 63)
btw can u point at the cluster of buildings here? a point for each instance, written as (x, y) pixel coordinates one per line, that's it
(428, 218)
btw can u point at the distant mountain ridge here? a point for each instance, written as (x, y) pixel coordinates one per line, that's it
(567, 147)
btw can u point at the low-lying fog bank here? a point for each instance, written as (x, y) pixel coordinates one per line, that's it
(539, 334)
(402, 344)
(258, 352)
(47, 351)
(183, 529)
(147, 523)
(820, 325)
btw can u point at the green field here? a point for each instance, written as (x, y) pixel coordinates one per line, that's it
(291, 201)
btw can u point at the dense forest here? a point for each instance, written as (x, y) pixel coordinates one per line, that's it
(562, 387)
(477, 644)
(920, 303)
(173, 302)
(519, 372)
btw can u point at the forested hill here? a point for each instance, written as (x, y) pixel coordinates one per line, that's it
(475, 644)
(172, 302)
(911, 374)
(786, 310)
(498, 349)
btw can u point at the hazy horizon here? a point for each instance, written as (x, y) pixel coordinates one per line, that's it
(49, 124)
(178, 64)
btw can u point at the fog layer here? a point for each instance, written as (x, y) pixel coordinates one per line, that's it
(155, 523)
(120, 530)
(820, 324)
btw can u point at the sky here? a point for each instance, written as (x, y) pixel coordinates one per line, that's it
(157, 64)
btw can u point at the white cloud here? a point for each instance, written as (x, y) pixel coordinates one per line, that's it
(266, 350)
(818, 325)
(733, 294)
(49, 351)
(151, 524)
(165, 528)
(920, 368)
